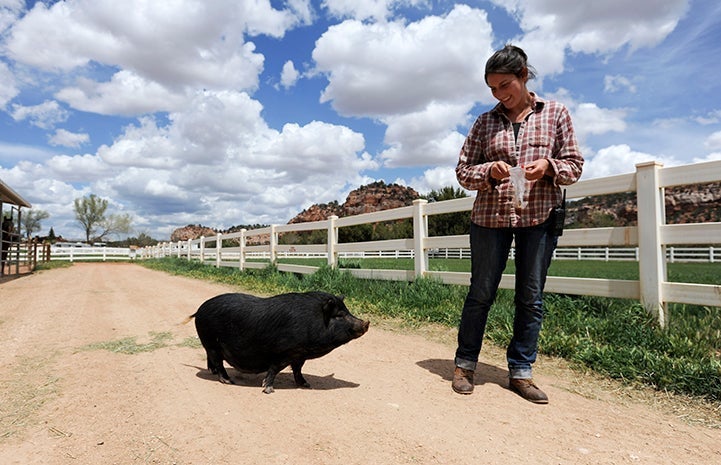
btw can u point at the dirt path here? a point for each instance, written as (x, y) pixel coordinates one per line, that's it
(382, 399)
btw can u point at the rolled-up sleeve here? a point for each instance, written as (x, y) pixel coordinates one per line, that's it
(472, 174)
(567, 160)
(473, 170)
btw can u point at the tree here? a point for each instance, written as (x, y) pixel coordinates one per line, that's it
(114, 224)
(30, 221)
(448, 224)
(90, 212)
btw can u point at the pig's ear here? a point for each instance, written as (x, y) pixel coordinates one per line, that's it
(329, 307)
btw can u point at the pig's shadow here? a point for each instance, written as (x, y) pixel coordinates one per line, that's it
(284, 379)
(484, 374)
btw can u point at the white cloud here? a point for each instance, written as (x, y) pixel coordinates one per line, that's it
(162, 49)
(553, 26)
(373, 69)
(9, 12)
(68, 139)
(712, 117)
(435, 179)
(45, 115)
(425, 137)
(713, 142)
(125, 94)
(8, 87)
(588, 118)
(15, 153)
(620, 159)
(714, 156)
(289, 75)
(219, 156)
(146, 146)
(618, 83)
(600, 27)
(378, 10)
(77, 168)
(369, 9)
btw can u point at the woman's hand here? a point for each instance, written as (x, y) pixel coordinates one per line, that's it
(538, 169)
(499, 170)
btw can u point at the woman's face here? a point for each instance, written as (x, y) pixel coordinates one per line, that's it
(508, 89)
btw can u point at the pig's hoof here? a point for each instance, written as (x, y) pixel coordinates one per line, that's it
(268, 390)
(225, 380)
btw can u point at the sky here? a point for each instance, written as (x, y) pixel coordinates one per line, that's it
(239, 112)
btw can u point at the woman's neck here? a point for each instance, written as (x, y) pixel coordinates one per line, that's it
(518, 113)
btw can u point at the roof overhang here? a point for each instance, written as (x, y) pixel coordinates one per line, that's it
(7, 195)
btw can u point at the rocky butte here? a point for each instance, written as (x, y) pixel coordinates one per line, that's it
(684, 204)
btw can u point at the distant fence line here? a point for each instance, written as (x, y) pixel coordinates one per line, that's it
(708, 254)
(92, 253)
(652, 238)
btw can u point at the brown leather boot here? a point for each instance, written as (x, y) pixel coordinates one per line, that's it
(527, 389)
(462, 381)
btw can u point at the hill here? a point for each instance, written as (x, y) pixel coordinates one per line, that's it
(684, 204)
(366, 199)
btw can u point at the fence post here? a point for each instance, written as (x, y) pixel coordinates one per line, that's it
(190, 243)
(332, 241)
(273, 245)
(241, 263)
(652, 256)
(420, 232)
(218, 245)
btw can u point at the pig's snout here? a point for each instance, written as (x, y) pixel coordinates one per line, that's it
(360, 327)
(365, 325)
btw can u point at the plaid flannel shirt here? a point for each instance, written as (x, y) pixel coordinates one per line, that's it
(546, 133)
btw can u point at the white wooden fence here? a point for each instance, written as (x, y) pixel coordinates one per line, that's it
(709, 254)
(652, 237)
(91, 253)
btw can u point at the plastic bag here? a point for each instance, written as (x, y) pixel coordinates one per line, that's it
(518, 180)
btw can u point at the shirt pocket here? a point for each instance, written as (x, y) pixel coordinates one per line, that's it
(540, 140)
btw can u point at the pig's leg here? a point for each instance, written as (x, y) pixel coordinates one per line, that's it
(270, 378)
(299, 379)
(215, 365)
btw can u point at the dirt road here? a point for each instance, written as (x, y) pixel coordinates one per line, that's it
(97, 369)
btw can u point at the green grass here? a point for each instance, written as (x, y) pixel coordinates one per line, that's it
(615, 337)
(51, 265)
(699, 273)
(130, 346)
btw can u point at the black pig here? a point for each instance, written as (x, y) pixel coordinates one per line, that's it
(256, 334)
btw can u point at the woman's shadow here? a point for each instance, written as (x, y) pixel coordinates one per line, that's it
(484, 373)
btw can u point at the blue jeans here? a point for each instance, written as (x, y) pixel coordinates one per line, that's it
(489, 253)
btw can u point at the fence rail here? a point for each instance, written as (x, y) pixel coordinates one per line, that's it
(709, 254)
(91, 253)
(652, 239)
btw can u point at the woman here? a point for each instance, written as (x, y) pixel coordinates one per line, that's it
(534, 138)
